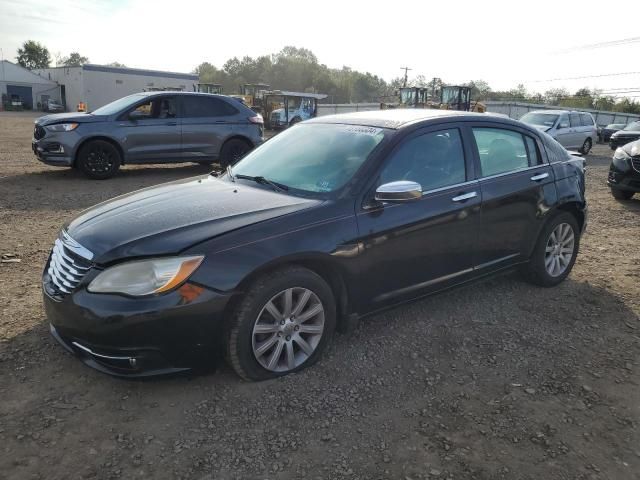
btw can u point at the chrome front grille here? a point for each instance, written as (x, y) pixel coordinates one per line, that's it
(635, 163)
(66, 267)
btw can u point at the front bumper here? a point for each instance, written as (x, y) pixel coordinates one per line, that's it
(139, 337)
(52, 153)
(628, 181)
(615, 142)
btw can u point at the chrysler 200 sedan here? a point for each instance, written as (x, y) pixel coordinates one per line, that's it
(333, 219)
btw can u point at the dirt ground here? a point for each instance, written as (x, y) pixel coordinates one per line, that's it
(496, 380)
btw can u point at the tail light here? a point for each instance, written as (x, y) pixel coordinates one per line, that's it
(256, 119)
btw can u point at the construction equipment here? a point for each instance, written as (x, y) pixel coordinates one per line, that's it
(452, 97)
(252, 95)
(283, 109)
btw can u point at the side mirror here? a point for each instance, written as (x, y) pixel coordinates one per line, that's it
(136, 115)
(563, 125)
(399, 192)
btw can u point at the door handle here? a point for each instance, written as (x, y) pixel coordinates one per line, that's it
(541, 176)
(464, 196)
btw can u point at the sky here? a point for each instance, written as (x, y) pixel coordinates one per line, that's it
(503, 43)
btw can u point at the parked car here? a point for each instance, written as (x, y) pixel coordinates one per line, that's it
(333, 219)
(628, 134)
(609, 130)
(573, 130)
(624, 172)
(149, 127)
(53, 106)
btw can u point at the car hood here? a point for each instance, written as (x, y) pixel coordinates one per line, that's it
(69, 117)
(632, 148)
(169, 218)
(626, 133)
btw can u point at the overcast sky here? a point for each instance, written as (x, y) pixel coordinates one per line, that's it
(504, 43)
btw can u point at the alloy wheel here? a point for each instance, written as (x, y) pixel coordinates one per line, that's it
(288, 329)
(99, 160)
(559, 249)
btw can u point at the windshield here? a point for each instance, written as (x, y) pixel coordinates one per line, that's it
(615, 125)
(118, 105)
(314, 158)
(544, 119)
(634, 127)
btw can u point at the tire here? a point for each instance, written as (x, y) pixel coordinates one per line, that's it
(586, 146)
(280, 339)
(294, 120)
(232, 151)
(98, 159)
(621, 194)
(537, 270)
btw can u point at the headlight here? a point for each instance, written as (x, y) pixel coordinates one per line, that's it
(621, 160)
(62, 127)
(146, 277)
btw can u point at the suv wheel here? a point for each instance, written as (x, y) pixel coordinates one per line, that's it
(232, 151)
(586, 146)
(555, 251)
(621, 194)
(282, 324)
(98, 159)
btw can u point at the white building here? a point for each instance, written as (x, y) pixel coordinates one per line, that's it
(19, 86)
(97, 85)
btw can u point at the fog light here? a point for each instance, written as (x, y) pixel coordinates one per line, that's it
(54, 148)
(133, 362)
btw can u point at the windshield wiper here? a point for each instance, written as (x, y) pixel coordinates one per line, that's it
(278, 187)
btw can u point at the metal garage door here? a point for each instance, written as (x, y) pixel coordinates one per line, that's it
(23, 93)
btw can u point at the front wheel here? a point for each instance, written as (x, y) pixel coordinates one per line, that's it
(282, 324)
(98, 159)
(621, 194)
(555, 252)
(232, 151)
(586, 146)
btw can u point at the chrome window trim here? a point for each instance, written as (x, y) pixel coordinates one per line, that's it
(511, 172)
(442, 189)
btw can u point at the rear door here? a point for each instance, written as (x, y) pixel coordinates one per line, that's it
(207, 121)
(152, 134)
(577, 130)
(517, 187)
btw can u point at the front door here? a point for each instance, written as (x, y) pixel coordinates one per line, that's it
(151, 131)
(517, 189)
(564, 133)
(413, 248)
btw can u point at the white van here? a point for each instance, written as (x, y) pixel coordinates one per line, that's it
(573, 130)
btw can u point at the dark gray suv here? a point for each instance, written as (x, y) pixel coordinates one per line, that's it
(151, 127)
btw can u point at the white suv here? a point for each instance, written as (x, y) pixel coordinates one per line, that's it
(573, 130)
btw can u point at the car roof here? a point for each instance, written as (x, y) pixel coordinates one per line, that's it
(557, 112)
(401, 117)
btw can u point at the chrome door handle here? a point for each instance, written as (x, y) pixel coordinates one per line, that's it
(464, 196)
(541, 176)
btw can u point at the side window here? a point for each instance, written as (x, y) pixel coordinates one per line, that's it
(574, 118)
(500, 150)
(433, 160)
(564, 121)
(587, 120)
(198, 106)
(159, 107)
(532, 150)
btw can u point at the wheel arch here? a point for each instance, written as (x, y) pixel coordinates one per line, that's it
(103, 138)
(321, 264)
(237, 137)
(576, 209)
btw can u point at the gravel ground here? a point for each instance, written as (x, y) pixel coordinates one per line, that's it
(496, 380)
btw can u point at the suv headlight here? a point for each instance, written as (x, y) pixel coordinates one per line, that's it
(621, 160)
(62, 127)
(146, 277)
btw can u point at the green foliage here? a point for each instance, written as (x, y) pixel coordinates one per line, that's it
(33, 55)
(74, 60)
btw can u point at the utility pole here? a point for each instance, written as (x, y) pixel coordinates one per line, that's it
(406, 69)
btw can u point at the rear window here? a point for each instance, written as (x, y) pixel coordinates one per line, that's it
(197, 106)
(587, 120)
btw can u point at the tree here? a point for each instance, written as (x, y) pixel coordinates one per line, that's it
(554, 95)
(33, 55)
(480, 89)
(74, 60)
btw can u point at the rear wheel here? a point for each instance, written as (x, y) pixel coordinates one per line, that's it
(621, 194)
(282, 324)
(232, 151)
(98, 159)
(294, 121)
(586, 146)
(555, 251)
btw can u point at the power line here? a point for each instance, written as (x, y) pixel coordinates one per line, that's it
(592, 46)
(584, 76)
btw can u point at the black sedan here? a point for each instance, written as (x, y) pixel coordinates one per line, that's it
(628, 134)
(606, 132)
(331, 220)
(624, 172)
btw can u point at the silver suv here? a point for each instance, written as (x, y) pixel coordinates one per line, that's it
(573, 130)
(151, 127)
